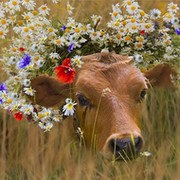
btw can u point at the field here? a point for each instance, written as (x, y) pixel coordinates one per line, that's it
(28, 153)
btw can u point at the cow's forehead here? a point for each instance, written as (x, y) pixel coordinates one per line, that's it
(94, 77)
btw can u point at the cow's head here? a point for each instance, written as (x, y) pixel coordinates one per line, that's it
(108, 90)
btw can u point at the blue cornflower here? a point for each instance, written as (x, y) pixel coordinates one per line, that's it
(3, 87)
(178, 31)
(24, 61)
(71, 47)
(63, 28)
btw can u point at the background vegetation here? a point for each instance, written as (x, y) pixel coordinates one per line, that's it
(28, 153)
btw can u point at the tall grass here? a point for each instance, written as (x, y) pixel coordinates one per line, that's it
(28, 153)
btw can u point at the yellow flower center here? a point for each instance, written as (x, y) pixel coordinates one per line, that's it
(14, 3)
(134, 27)
(140, 39)
(115, 14)
(94, 34)
(139, 45)
(70, 106)
(26, 29)
(26, 1)
(34, 12)
(127, 38)
(77, 30)
(133, 20)
(58, 41)
(147, 26)
(51, 29)
(173, 7)
(129, 3)
(133, 8)
(20, 23)
(3, 21)
(44, 8)
(142, 13)
(27, 17)
(116, 23)
(40, 115)
(1, 33)
(118, 36)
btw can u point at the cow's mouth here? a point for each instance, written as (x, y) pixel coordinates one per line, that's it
(125, 149)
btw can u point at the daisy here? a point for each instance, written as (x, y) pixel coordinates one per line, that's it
(138, 58)
(54, 55)
(44, 10)
(26, 82)
(138, 45)
(69, 8)
(155, 13)
(28, 4)
(173, 8)
(29, 91)
(68, 108)
(13, 6)
(132, 9)
(27, 109)
(77, 61)
(3, 32)
(46, 126)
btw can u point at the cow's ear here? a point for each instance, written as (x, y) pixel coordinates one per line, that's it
(48, 91)
(161, 76)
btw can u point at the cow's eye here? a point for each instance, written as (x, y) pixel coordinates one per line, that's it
(83, 101)
(143, 94)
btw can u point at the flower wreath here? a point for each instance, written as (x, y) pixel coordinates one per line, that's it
(39, 45)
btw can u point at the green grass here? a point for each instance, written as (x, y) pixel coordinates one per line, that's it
(28, 153)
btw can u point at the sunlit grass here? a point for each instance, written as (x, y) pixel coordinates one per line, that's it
(28, 153)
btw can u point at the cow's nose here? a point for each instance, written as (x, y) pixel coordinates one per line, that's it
(126, 148)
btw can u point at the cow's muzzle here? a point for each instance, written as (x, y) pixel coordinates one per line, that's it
(127, 148)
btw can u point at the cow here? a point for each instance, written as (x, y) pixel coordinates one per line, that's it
(108, 90)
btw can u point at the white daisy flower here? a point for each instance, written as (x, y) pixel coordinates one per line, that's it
(69, 8)
(173, 8)
(28, 4)
(68, 108)
(26, 82)
(46, 126)
(155, 13)
(44, 10)
(138, 58)
(29, 91)
(77, 61)
(54, 55)
(27, 109)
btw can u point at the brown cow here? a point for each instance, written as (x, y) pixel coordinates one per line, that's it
(108, 90)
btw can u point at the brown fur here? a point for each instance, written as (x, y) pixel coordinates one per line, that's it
(112, 85)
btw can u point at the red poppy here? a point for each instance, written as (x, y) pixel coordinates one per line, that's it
(65, 73)
(18, 116)
(142, 32)
(67, 62)
(21, 49)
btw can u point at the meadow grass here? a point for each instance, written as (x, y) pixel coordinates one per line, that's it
(28, 153)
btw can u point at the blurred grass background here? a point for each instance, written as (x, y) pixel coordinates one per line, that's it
(28, 153)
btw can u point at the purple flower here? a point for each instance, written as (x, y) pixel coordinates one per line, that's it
(3, 87)
(63, 28)
(178, 31)
(24, 61)
(71, 47)
(1, 101)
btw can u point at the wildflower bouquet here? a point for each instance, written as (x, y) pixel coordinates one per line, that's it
(40, 46)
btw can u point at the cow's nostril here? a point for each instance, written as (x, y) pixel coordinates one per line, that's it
(125, 148)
